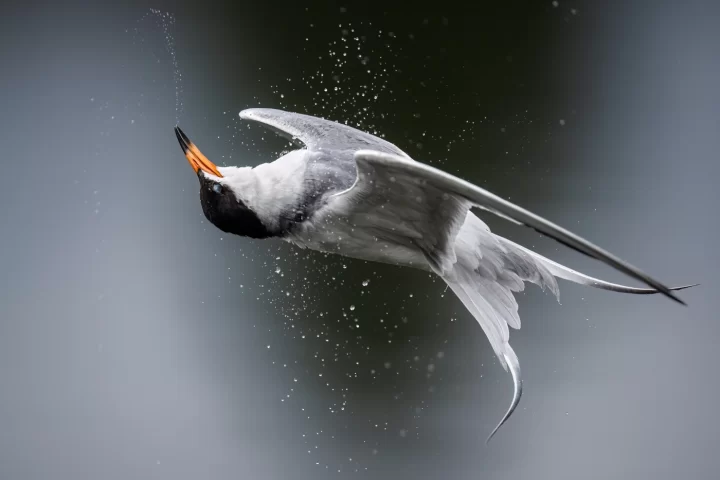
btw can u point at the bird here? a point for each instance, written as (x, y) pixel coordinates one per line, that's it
(348, 192)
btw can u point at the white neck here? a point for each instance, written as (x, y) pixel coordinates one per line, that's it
(269, 189)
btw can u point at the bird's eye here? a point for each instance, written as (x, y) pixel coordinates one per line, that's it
(217, 188)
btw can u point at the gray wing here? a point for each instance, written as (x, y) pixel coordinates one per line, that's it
(399, 197)
(317, 133)
(331, 147)
(371, 164)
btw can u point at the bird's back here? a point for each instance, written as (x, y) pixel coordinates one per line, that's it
(326, 172)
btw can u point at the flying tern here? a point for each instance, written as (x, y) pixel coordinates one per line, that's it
(348, 192)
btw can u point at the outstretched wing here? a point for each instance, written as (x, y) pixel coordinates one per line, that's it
(402, 200)
(408, 204)
(377, 170)
(317, 133)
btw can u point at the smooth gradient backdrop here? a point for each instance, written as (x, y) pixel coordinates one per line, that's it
(139, 342)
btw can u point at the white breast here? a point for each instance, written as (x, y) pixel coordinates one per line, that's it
(331, 233)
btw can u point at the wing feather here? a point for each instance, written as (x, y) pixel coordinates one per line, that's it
(317, 133)
(395, 165)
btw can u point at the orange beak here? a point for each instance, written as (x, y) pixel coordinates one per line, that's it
(197, 160)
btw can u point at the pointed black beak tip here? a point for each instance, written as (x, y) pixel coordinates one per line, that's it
(182, 134)
(181, 139)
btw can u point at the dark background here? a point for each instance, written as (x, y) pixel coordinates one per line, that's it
(137, 341)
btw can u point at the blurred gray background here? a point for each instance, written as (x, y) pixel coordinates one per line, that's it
(137, 341)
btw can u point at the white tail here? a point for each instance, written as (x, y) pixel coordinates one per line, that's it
(489, 269)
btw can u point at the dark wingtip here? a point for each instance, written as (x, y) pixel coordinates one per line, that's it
(673, 297)
(681, 288)
(181, 139)
(665, 291)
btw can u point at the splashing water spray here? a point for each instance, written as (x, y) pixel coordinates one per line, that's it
(166, 21)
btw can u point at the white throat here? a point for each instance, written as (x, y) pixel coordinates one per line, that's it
(270, 188)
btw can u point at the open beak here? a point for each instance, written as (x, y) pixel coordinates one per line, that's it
(197, 160)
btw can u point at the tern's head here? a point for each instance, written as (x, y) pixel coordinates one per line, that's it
(220, 201)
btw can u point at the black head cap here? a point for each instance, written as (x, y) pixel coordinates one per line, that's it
(227, 212)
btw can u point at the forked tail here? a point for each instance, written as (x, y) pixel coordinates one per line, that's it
(514, 367)
(489, 270)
